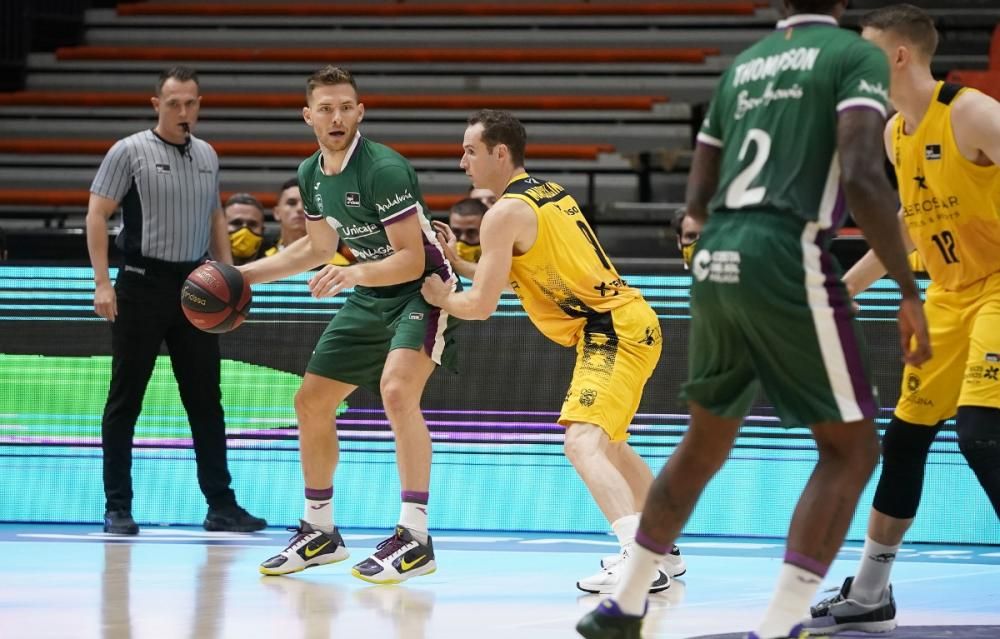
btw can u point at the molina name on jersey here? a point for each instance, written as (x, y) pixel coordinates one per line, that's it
(565, 278)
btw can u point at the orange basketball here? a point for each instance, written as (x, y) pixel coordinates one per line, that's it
(215, 297)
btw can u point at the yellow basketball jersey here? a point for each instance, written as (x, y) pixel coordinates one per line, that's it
(951, 206)
(565, 278)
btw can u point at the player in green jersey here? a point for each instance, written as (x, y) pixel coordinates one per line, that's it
(793, 134)
(385, 338)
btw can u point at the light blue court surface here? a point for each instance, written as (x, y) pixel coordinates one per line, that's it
(74, 581)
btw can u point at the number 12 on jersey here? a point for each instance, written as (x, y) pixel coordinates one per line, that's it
(945, 242)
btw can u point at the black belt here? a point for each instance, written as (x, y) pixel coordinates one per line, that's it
(144, 265)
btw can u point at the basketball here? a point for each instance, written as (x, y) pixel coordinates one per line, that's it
(215, 297)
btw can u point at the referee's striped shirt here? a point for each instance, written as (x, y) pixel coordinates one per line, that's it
(168, 193)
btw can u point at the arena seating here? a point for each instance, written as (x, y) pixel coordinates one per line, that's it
(611, 92)
(987, 81)
(606, 89)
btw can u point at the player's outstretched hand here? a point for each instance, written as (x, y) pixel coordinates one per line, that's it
(331, 280)
(448, 240)
(913, 337)
(435, 290)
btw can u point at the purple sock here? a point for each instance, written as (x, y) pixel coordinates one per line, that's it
(643, 540)
(414, 497)
(319, 494)
(806, 563)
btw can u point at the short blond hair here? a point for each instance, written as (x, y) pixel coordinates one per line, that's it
(329, 76)
(913, 24)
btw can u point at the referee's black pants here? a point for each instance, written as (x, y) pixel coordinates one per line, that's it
(149, 313)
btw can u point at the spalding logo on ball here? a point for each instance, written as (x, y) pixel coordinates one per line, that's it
(215, 297)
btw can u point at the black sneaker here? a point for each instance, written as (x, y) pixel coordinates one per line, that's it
(607, 621)
(397, 559)
(232, 519)
(120, 522)
(308, 547)
(840, 612)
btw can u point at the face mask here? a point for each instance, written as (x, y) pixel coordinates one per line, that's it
(687, 253)
(245, 243)
(469, 252)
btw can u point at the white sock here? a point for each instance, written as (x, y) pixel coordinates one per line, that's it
(625, 528)
(874, 571)
(639, 571)
(413, 516)
(319, 514)
(790, 603)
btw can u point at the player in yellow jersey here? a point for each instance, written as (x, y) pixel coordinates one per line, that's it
(945, 145)
(536, 241)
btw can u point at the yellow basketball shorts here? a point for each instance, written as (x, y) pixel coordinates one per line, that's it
(964, 369)
(615, 357)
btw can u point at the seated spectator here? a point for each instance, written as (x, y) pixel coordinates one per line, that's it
(290, 214)
(245, 220)
(486, 196)
(464, 220)
(688, 231)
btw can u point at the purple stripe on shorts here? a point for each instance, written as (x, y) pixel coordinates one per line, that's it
(413, 497)
(809, 564)
(435, 257)
(319, 494)
(430, 336)
(842, 315)
(839, 210)
(436, 260)
(643, 540)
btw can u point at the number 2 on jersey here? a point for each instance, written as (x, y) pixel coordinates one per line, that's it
(739, 193)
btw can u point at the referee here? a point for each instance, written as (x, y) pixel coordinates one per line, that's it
(166, 183)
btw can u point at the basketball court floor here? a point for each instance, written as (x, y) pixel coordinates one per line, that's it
(74, 581)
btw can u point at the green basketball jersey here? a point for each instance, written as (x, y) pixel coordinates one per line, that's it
(774, 116)
(376, 187)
